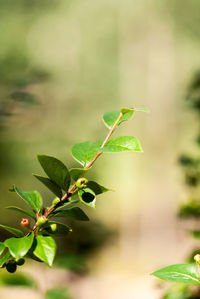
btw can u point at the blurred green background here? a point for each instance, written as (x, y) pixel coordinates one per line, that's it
(63, 64)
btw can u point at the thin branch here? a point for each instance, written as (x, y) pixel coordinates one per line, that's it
(73, 188)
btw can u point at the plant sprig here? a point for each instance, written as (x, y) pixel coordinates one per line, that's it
(70, 188)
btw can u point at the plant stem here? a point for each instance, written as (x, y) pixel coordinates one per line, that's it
(73, 188)
(105, 141)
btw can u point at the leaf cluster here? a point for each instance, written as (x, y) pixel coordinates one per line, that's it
(70, 188)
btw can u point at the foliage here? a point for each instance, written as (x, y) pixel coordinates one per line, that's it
(188, 273)
(38, 242)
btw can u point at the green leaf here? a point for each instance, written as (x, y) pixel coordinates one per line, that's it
(182, 273)
(110, 118)
(121, 144)
(62, 229)
(98, 189)
(2, 247)
(55, 170)
(26, 212)
(57, 293)
(87, 196)
(77, 173)
(16, 232)
(5, 259)
(72, 201)
(19, 247)
(85, 152)
(45, 249)
(72, 213)
(32, 198)
(50, 185)
(127, 110)
(17, 280)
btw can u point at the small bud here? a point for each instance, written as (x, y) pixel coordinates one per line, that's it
(197, 260)
(25, 222)
(41, 221)
(20, 262)
(81, 183)
(55, 201)
(11, 267)
(53, 227)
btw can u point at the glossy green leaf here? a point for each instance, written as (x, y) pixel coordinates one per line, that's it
(77, 173)
(26, 212)
(5, 259)
(97, 188)
(19, 247)
(16, 232)
(55, 170)
(45, 249)
(2, 247)
(85, 152)
(122, 144)
(57, 293)
(88, 197)
(32, 198)
(110, 118)
(72, 213)
(182, 273)
(50, 185)
(62, 229)
(71, 202)
(17, 280)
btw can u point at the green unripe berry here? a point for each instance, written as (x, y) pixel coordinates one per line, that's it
(41, 221)
(55, 201)
(11, 267)
(81, 183)
(53, 227)
(20, 262)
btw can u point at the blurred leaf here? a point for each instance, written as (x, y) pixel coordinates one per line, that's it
(14, 231)
(32, 198)
(85, 152)
(24, 97)
(98, 189)
(76, 173)
(50, 185)
(57, 293)
(181, 273)
(72, 262)
(61, 231)
(2, 247)
(121, 144)
(18, 247)
(55, 170)
(26, 212)
(72, 213)
(88, 197)
(195, 234)
(17, 280)
(5, 259)
(190, 209)
(178, 291)
(45, 249)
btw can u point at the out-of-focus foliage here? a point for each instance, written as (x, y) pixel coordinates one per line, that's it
(191, 209)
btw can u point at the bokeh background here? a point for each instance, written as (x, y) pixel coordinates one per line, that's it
(63, 64)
